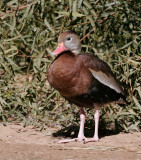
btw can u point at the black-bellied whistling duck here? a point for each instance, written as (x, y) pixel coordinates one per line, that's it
(84, 80)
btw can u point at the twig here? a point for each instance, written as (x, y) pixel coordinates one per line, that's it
(63, 20)
(20, 8)
(24, 55)
(101, 21)
(88, 34)
(15, 9)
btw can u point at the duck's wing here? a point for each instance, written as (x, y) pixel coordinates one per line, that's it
(102, 72)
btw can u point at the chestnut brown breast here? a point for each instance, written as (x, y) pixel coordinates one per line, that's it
(68, 75)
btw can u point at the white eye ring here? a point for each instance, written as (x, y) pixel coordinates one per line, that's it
(69, 38)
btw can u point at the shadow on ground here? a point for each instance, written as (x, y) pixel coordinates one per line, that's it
(72, 131)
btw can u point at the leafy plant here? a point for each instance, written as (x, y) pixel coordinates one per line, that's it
(28, 33)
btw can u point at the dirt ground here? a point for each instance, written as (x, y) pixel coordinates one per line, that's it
(18, 143)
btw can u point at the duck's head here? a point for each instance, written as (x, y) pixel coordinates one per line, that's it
(68, 41)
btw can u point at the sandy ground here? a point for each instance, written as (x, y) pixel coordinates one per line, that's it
(18, 143)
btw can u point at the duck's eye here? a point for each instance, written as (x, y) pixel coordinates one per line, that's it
(68, 38)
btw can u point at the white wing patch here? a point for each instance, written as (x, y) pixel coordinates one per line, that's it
(109, 81)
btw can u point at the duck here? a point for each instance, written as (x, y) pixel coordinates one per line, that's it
(83, 80)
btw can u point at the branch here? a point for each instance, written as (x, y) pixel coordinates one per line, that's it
(101, 21)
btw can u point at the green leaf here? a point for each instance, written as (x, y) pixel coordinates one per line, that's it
(48, 26)
(136, 102)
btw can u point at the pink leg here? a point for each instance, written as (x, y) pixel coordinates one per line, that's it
(95, 137)
(81, 136)
(96, 117)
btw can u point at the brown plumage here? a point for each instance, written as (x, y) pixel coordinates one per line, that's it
(84, 80)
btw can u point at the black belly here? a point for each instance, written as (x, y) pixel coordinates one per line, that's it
(97, 93)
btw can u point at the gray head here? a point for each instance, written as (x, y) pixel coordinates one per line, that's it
(68, 41)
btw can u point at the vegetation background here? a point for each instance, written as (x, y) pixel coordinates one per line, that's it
(28, 33)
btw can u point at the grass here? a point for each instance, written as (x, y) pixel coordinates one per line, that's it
(29, 32)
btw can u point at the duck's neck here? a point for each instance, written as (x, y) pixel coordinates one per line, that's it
(64, 55)
(66, 62)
